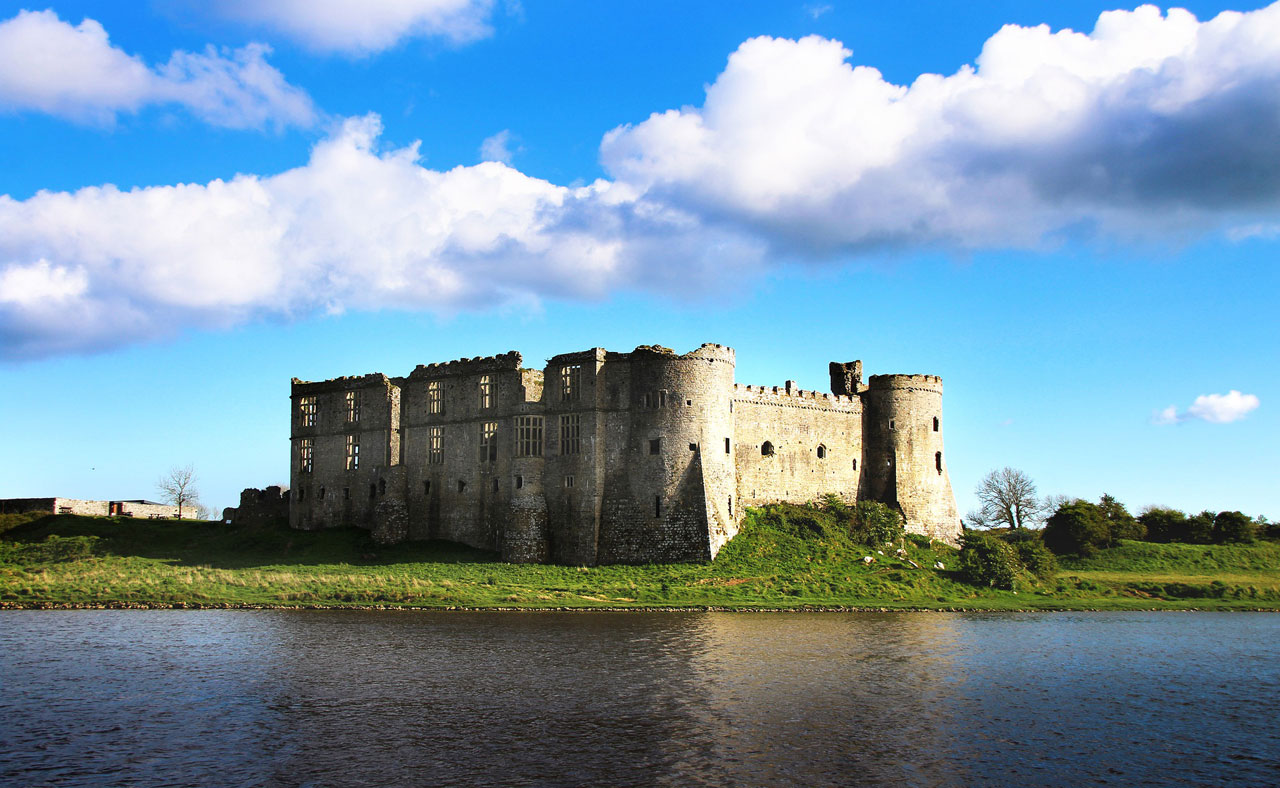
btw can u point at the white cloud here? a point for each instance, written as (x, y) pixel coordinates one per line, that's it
(815, 10)
(498, 147)
(50, 66)
(1213, 408)
(1150, 126)
(364, 26)
(351, 229)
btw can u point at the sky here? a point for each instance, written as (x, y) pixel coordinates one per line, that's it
(1068, 210)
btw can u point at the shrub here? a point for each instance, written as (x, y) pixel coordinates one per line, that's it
(875, 523)
(987, 561)
(1233, 527)
(1120, 523)
(1036, 558)
(1077, 528)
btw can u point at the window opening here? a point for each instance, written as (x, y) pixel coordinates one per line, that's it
(570, 382)
(855, 465)
(731, 506)
(495, 485)
(486, 392)
(519, 482)
(822, 452)
(435, 446)
(935, 423)
(890, 423)
(435, 397)
(693, 447)
(382, 487)
(373, 490)
(662, 399)
(569, 436)
(726, 446)
(688, 403)
(426, 487)
(937, 460)
(528, 436)
(657, 506)
(766, 449)
(322, 493)
(353, 406)
(302, 494)
(568, 481)
(308, 409)
(489, 441)
(655, 446)
(461, 485)
(353, 453)
(346, 493)
(306, 452)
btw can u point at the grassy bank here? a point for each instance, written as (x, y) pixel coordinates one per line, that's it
(785, 557)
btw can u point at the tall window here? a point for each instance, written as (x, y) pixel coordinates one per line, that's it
(353, 406)
(435, 446)
(489, 441)
(305, 454)
(486, 392)
(435, 397)
(569, 442)
(529, 436)
(308, 408)
(570, 382)
(353, 453)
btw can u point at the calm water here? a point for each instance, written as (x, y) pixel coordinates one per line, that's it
(407, 698)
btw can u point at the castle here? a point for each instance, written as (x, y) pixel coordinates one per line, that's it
(605, 457)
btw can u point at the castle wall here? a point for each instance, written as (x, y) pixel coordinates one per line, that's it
(816, 442)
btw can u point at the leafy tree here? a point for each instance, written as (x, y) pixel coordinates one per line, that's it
(987, 561)
(1008, 498)
(1164, 524)
(1121, 524)
(1233, 527)
(875, 523)
(1199, 528)
(178, 487)
(1077, 528)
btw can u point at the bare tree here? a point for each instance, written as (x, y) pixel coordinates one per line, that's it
(178, 487)
(1008, 498)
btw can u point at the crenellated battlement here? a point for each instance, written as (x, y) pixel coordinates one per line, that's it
(790, 395)
(343, 383)
(911, 382)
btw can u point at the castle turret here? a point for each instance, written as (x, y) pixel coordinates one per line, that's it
(905, 463)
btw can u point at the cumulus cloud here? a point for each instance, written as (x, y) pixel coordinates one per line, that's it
(353, 228)
(364, 26)
(1213, 408)
(50, 66)
(1152, 124)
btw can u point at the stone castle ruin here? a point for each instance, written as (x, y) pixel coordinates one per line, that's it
(604, 457)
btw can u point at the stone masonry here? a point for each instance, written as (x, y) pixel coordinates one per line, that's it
(605, 457)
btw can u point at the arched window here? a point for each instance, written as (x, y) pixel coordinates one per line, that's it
(766, 449)
(822, 452)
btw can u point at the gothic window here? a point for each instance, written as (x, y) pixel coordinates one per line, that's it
(308, 410)
(489, 441)
(486, 392)
(435, 446)
(529, 436)
(569, 435)
(435, 398)
(353, 406)
(353, 453)
(570, 383)
(306, 452)
(766, 449)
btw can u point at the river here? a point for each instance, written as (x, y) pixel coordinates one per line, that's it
(353, 698)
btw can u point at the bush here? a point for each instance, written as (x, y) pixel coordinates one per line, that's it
(1120, 523)
(1233, 527)
(1036, 558)
(987, 561)
(875, 523)
(1077, 528)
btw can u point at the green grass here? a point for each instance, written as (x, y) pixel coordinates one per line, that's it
(785, 557)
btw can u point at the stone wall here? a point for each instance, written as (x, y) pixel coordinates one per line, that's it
(258, 508)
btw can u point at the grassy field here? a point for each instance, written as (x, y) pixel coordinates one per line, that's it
(786, 557)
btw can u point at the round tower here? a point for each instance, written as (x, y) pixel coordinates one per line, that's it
(677, 462)
(904, 459)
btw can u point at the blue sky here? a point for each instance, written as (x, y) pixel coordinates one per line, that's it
(1078, 231)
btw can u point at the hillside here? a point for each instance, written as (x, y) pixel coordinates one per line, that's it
(785, 557)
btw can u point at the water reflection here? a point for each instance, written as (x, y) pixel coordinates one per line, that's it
(362, 698)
